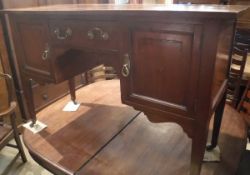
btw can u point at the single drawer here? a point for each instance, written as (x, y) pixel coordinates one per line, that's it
(32, 48)
(47, 94)
(92, 35)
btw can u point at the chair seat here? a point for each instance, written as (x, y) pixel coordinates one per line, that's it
(9, 131)
(246, 73)
(4, 130)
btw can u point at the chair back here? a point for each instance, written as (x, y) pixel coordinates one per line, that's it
(6, 91)
(238, 62)
(242, 37)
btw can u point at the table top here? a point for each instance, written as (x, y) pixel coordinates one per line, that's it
(72, 138)
(229, 9)
(109, 138)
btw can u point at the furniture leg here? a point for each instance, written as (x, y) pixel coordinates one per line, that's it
(198, 150)
(217, 123)
(86, 78)
(30, 100)
(248, 134)
(72, 90)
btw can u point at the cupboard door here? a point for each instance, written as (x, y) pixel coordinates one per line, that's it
(34, 34)
(163, 69)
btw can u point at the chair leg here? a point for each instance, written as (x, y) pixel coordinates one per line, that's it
(17, 138)
(248, 134)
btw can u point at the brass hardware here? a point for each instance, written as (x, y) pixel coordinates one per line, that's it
(45, 54)
(97, 33)
(126, 66)
(63, 36)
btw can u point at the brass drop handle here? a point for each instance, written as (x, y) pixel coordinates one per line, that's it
(45, 54)
(63, 35)
(97, 33)
(126, 66)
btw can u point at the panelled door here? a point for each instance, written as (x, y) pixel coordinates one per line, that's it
(165, 56)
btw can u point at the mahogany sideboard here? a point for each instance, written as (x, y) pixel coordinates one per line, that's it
(172, 60)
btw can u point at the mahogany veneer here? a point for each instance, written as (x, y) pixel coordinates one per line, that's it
(107, 138)
(172, 60)
(74, 137)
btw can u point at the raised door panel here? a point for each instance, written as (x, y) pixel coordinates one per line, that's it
(163, 69)
(34, 34)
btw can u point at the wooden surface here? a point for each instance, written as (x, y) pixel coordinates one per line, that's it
(167, 57)
(164, 149)
(43, 94)
(230, 9)
(93, 141)
(3, 92)
(197, 1)
(72, 138)
(33, 3)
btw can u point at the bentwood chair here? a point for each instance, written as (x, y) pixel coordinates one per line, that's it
(244, 106)
(9, 131)
(238, 62)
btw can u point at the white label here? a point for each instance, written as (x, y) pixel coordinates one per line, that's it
(71, 107)
(38, 126)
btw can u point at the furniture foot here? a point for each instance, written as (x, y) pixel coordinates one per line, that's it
(198, 150)
(217, 124)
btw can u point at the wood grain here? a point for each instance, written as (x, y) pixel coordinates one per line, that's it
(230, 9)
(164, 149)
(72, 141)
(167, 55)
(72, 138)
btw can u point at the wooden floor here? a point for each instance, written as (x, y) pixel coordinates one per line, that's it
(105, 137)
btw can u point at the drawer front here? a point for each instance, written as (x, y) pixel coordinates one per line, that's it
(92, 35)
(54, 50)
(46, 94)
(33, 47)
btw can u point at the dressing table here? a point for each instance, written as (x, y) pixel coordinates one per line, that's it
(172, 60)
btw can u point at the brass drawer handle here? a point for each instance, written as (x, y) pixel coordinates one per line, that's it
(63, 35)
(45, 54)
(126, 66)
(97, 33)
